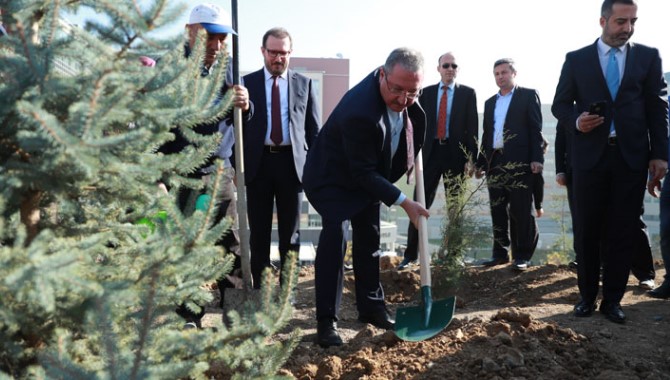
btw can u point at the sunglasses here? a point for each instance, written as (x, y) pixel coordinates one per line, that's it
(448, 65)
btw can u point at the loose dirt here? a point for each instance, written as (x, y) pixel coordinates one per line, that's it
(507, 325)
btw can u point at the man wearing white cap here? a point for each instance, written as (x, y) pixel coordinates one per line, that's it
(216, 22)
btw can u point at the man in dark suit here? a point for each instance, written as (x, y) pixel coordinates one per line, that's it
(511, 150)
(369, 141)
(642, 265)
(451, 133)
(276, 141)
(614, 152)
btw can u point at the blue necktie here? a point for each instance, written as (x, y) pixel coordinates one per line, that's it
(612, 77)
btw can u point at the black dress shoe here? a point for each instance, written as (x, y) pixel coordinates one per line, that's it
(613, 312)
(662, 291)
(326, 334)
(380, 319)
(584, 309)
(406, 263)
(495, 261)
(572, 265)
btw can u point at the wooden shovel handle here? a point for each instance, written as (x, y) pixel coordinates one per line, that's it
(424, 257)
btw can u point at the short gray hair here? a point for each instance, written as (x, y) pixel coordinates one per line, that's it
(409, 59)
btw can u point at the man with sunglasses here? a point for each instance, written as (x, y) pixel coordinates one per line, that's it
(368, 143)
(451, 132)
(276, 140)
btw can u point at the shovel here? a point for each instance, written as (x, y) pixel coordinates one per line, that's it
(417, 323)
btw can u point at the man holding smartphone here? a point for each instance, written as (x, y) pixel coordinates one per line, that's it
(614, 153)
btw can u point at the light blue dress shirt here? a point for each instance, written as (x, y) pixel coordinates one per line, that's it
(499, 116)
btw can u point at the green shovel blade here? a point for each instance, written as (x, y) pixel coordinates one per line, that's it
(417, 323)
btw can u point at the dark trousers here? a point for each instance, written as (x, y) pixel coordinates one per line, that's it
(571, 206)
(329, 268)
(608, 199)
(230, 241)
(510, 198)
(276, 180)
(443, 166)
(642, 265)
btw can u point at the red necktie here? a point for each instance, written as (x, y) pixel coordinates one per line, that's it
(409, 135)
(275, 132)
(442, 116)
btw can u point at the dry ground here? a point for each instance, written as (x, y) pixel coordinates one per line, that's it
(507, 325)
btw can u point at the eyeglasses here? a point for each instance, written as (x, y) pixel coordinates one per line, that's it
(448, 65)
(398, 92)
(277, 53)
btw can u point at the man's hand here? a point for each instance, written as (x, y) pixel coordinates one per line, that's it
(561, 179)
(414, 210)
(654, 188)
(587, 122)
(657, 170)
(241, 97)
(536, 167)
(469, 169)
(162, 189)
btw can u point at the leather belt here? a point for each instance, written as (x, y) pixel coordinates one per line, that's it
(277, 148)
(611, 140)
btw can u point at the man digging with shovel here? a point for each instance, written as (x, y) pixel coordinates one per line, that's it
(368, 143)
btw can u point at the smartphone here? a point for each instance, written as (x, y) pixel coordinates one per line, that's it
(598, 108)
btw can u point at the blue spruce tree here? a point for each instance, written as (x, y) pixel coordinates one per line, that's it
(85, 290)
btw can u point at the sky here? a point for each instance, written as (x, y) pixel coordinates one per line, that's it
(535, 33)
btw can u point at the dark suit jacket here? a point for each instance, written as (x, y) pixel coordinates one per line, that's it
(522, 130)
(350, 165)
(304, 120)
(563, 148)
(463, 122)
(639, 110)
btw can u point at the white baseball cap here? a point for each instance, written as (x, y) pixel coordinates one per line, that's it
(212, 17)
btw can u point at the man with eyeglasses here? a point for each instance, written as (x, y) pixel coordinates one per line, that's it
(451, 132)
(368, 143)
(511, 149)
(276, 141)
